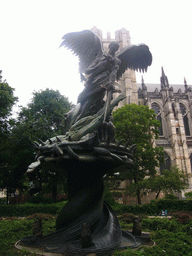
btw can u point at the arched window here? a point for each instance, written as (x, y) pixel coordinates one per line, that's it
(185, 119)
(156, 108)
(166, 164)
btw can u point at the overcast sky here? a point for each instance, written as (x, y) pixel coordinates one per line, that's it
(31, 32)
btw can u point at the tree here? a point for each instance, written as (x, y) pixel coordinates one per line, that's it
(44, 115)
(170, 181)
(137, 124)
(43, 118)
(188, 195)
(7, 100)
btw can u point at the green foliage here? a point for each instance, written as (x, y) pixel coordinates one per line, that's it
(160, 223)
(39, 199)
(46, 199)
(29, 209)
(173, 180)
(188, 195)
(41, 119)
(44, 116)
(170, 197)
(3, 201)
(170, 237)
(172, 205)
(128, 217)
(137, 124)
(174, 243)
(13, 229)
(7, 100)
(108, 197)
(182, 217)
(154, 207)
(128, 252)
(147, 209)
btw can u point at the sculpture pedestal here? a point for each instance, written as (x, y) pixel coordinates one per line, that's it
(85, 168)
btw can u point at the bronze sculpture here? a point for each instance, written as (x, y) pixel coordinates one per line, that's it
(102, 69)
(85, 152)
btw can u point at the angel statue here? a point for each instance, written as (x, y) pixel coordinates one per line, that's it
(84, 153)
(99, 71)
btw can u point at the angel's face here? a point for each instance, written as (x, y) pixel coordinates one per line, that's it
(113, 47)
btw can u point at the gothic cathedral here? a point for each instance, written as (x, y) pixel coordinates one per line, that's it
(172, 105)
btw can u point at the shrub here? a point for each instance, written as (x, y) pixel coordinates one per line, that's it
(159, 224)
(188, 195)
(170, 197)
(117, 194)
(142, 216)
(12, 230)
(29, 209)
(173, 243)
(182, 217)
(128, 217)
(38, 199)
(3, 201)
(40, 216)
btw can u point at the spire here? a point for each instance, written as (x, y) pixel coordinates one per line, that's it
(164, 80)
(144, 87)
(185, 84)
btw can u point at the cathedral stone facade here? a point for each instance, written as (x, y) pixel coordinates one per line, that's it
(173, 107)
(171, 103)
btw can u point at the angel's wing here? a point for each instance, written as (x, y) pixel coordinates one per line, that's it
(86, 44)
(134, 57)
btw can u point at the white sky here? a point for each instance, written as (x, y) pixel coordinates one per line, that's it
(31, 32)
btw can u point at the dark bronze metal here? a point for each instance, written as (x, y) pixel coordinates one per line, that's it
(87, 151)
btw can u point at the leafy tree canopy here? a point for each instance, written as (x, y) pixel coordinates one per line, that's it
(7, 100)
(137, 124)
(44, 115)
(170, 181)
(41, 119)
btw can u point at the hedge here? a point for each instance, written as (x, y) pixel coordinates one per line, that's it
(154, 207)
(29, 209)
